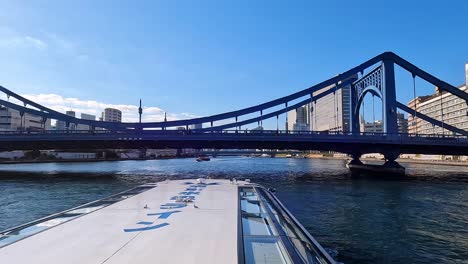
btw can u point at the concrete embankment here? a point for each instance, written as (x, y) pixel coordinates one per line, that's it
(79, 160)
(417, 161)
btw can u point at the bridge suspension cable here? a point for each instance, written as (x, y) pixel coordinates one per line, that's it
(277, 125)
(415, 104)
(373, 112)
(335, 109)
(442, 113)
(363, 113)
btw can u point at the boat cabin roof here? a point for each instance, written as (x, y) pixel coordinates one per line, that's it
(180, 221)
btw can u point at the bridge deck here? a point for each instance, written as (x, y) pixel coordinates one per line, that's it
(346, 143)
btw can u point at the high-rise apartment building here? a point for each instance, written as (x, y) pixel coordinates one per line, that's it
(112, 115)
(402, 123)
(441, 106)
(62, 125)
(299, 119)
(86, 117)
(329, 113)
(413, 121)
(332, 112)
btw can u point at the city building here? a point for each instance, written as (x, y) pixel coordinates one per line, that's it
(196, 126)
(402, 123)
(454, 111)
(442, 106)
(414, 122)
(112, 115)
(466, 74)
(62, 125)
(373, 127)
(329, 113)
(257, 129)
(332, 112)
(299, 119)
(86, 117)
(11, 120)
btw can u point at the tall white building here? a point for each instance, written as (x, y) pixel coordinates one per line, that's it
(86, 117)
(62, 125)
(11, 120)
(196, 126)
(329, 113)
(332, 112)
(299, 119)
(112, 115)
(466, 74)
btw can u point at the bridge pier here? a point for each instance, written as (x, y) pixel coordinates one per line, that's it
(390, 168)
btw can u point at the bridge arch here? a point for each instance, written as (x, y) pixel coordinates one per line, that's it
(369, 89)
(374, 91)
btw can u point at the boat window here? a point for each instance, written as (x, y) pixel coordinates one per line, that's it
(264, 250)
(307, 249)
(260, 238)
(256, 225)
(251, 206)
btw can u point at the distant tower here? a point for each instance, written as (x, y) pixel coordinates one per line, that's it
(140, 110)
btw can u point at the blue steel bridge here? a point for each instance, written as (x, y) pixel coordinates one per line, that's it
(224, 131)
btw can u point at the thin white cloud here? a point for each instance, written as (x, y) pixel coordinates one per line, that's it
(129, 112)
(12, 39)
(37, 43)
(23, 42)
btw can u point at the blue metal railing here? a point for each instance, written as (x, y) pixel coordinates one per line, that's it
(231, 132)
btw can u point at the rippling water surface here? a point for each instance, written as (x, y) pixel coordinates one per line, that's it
(420, 219)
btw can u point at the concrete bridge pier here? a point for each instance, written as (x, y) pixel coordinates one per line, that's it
(390, 168)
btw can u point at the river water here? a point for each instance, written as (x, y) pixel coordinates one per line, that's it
(420, 219)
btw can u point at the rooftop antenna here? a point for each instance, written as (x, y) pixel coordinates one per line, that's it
(140, 110)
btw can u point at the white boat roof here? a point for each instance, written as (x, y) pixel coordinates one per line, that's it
(127, 232)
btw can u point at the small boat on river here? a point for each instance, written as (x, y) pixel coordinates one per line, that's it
(203, 158)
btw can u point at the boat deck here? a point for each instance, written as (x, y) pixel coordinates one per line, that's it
(146, 228)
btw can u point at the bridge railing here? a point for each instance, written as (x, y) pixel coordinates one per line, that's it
(234, 132)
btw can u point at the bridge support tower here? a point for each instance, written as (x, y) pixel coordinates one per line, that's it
(390, 168)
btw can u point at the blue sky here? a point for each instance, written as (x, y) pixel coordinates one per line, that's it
(204, 57)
